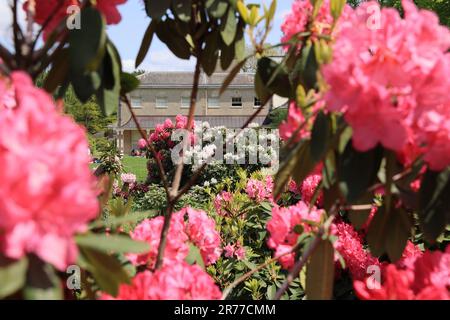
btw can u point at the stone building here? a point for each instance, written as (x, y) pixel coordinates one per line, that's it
(164, 95)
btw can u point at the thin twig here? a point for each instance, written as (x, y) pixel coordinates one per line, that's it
(179, 170)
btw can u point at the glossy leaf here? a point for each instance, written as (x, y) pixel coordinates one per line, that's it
(42, 281)
(434, 204)
(87, 44)
(320, 272)
(146, 42)
(12, 275)
(320, 136)
(156, 8)
(229, 27)
(111, 243)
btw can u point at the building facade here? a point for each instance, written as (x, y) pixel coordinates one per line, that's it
(164, 95)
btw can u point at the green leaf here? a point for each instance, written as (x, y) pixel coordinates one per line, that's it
(398, 233)
(388, 233)
(216, 8)
(146, 42)
(108, 95)
(228, 27)
(111, 243)
(182, 9)
(226, 56)
(195, 256)
(42, 281)
(320, 136)
(358, 171)
(261, 90)
(210, 54)
(12, 275)
(113, 222)
(156, 8)
(275, 77)
(175, 40)
(87, 45)
(307, 67)
(239, 42)
(298, 164)
(106, 269)
(128, 82)
(85, 85)
(320, 272)
(434, 204)
(231, 75)
(59, 71)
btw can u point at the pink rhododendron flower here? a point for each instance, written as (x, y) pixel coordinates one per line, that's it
(129, 178)
(350, 246)
(142, 144)
(240, 253)
(179, 281)
(234, 250)
(298, 18)
(256, 190)
(229, 250)
(427, 279)
(47, 194)
(291, 125)
(201, 231)
(57, 12)
(308, 188)
(282, 228)
(149, 231)
(110, 11)
(221, 201)
(391, 82)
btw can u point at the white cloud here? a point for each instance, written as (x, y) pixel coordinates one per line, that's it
(160, 60)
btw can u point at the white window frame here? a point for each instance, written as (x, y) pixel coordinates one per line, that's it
(254, 103)
(213, 106)
(237, 97)
(134, 105)
(159, 106)
(188, 102)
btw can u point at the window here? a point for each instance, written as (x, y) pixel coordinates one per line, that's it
(213, 102)
(257, 103)
(236, 101)
(161, 102)
(185, 102)
(136, 102)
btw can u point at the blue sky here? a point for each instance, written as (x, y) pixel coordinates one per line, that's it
(128, 35)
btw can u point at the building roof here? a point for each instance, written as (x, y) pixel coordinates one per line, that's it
(185, 80)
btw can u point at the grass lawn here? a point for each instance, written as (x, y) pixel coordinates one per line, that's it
(136, 165)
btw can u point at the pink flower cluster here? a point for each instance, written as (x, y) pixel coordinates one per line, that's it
(234, 250)
(389, 76)
(179, 281)
(258, 190)
(47, 194)
(283, 225)
(129, 178)
(221, 201)
(199, 229)
(163, 131)
(350, 246)
(292, 124)
(427, 277)
(299, 17)
(55, 11)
